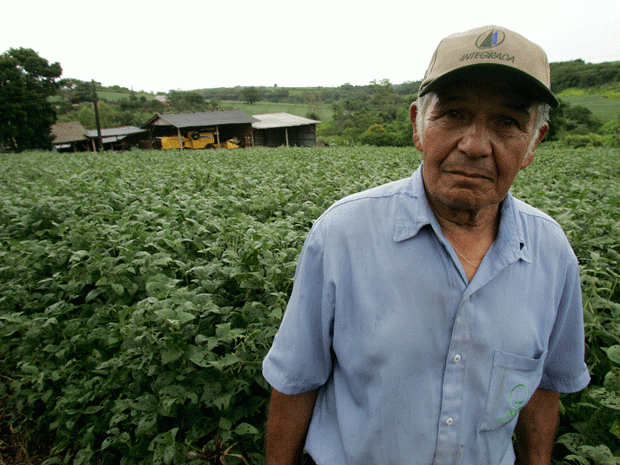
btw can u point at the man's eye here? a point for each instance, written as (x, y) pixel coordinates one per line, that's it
(508, 122)
(453, 113)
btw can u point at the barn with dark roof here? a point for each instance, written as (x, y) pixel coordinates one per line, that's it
(224, 124)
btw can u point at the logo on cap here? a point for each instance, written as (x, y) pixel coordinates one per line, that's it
(490, 40)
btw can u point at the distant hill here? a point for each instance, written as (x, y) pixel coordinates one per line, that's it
(594, 86)
(579, 74)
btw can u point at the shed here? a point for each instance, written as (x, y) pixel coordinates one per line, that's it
(275, 129)
(224, 124)
(69, 137)
(121, 138)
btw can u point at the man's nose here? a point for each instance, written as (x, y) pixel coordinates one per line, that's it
(476, 140)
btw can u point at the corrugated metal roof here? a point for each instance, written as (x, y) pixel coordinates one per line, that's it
(65, 133)
(116, 132)
(207, 118)
(281, 120)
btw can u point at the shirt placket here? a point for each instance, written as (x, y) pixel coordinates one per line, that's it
(449, 451)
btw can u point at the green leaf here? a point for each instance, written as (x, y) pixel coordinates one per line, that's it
(183, 317)
(77, 256)
(166, 314)
(250, 285)
(611, 400)
(225, 424)
(612, 382)
(145, 403)
(222, 402)
(84, 456)
(146, 425)
(615, 428)
(201, 358)
(93, 409)
(572, 441)
(118, 288)
(600, 454)
(117, 418)
(164, 447)
(94, 294)
(245, 428)
(169, 453)
(222, 330)
(613, 353)
(226, 360)
(577, 458)
(52, 461)
(170, 355)
(162, 261)
(29, 369)
(212, 343)
(606, 398)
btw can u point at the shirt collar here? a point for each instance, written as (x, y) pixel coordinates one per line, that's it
(414, 212)
(510, 240)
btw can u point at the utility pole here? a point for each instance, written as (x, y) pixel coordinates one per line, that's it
(99, 141)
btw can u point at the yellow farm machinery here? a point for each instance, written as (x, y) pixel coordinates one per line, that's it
(197, 140)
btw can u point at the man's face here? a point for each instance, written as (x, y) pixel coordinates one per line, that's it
(475, 141)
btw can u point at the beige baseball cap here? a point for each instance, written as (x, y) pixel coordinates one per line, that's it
(491, 50)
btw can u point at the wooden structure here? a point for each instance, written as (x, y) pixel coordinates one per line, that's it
(224, 124)
(275, 129)
(122, 138)
(69, 137)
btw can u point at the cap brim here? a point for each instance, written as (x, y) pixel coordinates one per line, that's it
(521, 81)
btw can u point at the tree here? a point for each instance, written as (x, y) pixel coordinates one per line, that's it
(368, 107)
(77, 91)
(250, 95)
(571, 119)
(189, 101)
(107, 115)
(26, 115)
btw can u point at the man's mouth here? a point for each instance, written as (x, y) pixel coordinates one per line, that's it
(469, 174)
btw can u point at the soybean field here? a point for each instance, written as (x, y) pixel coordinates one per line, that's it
(140, 291)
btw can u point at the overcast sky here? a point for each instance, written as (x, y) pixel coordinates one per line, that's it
(192, 44)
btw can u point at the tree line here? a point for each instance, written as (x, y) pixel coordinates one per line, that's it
(33, 97)
(131, 109)
(578, 73)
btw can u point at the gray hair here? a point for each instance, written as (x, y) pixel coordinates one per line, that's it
(427, 101)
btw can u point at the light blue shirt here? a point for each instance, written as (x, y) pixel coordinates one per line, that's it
(415, 364)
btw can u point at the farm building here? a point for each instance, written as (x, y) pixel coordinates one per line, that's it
(69, 137)
(122, 138)
(275, 129)
(224, 125)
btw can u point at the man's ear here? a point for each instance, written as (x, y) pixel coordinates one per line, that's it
(413, 113)
(529, 157)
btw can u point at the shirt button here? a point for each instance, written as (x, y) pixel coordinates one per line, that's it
(457, 358)
(449, 421)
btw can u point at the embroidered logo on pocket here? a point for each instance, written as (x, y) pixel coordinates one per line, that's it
(518, 397)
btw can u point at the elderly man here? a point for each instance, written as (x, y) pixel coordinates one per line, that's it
(434, 316)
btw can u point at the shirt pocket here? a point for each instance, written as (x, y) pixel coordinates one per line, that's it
(513, 381)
